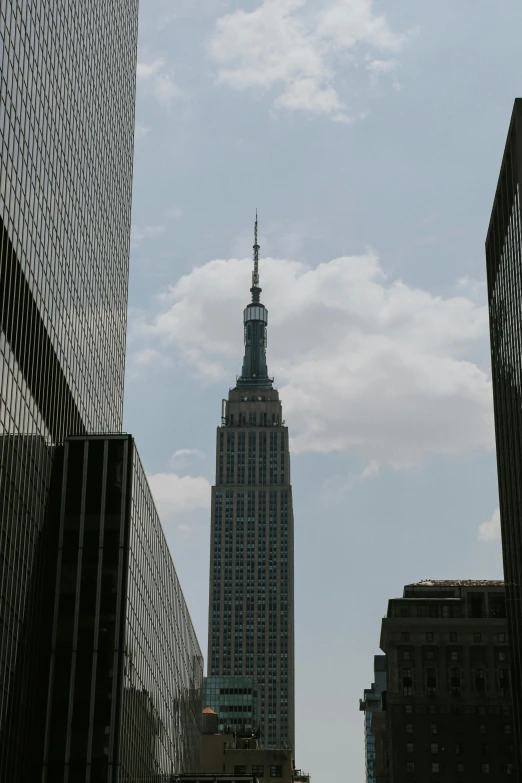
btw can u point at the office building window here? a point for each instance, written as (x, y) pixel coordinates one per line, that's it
(455, 682)
(431, 682)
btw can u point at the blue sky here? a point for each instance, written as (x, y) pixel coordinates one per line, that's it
(369, 136)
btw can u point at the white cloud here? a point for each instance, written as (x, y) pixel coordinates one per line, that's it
(351, 22)
(183, 457)
(159, 81)
(139, 233)
(141, 131)
(296, 48)
(147, 356)
(371, 470)
(490, 530)
(378, 68)
(381, 66)
(336, 487)
(362, 363)
(146, 71)
(474, 289)
(309, 94)
(175, 495)
(173, 212)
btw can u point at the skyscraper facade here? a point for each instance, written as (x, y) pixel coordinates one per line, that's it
(448, 713)
(504, 274)
(251, 606)
(235, 702)
(67, 94)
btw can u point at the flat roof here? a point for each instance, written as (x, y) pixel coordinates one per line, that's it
(457, 583)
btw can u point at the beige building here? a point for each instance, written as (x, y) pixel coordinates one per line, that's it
(226, 753)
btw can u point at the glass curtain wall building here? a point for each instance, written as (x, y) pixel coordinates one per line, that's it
(504, 273)
(126, 670)
(251, 605)
(67, 95)
(236, 702)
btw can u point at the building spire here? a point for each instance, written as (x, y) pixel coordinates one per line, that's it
(255, 319)
(256, 291)
(255, 273)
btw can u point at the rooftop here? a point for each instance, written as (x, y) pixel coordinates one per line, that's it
(457, 583)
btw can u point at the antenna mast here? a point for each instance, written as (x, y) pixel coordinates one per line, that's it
(255, 273)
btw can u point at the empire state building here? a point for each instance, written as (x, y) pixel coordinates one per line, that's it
(251, 607)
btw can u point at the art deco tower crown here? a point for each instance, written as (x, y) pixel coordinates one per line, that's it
(255, 319)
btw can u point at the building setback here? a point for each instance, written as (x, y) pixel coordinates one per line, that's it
(371, 704)
(448, 706)
(125, 683)
(504, 273)
(67, 96)
(251, 606)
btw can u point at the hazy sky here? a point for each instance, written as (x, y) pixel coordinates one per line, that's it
(369, 136)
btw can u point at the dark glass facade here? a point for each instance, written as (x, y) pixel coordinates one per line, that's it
(236, 702)
(504, 272)
(126, 670)
(251, 603)
(67, 90)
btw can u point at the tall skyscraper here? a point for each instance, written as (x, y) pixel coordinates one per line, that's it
(448, 713)
(67, 93)
(504, 272)
(251, 606)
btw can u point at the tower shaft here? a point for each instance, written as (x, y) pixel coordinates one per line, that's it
(251, 618)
